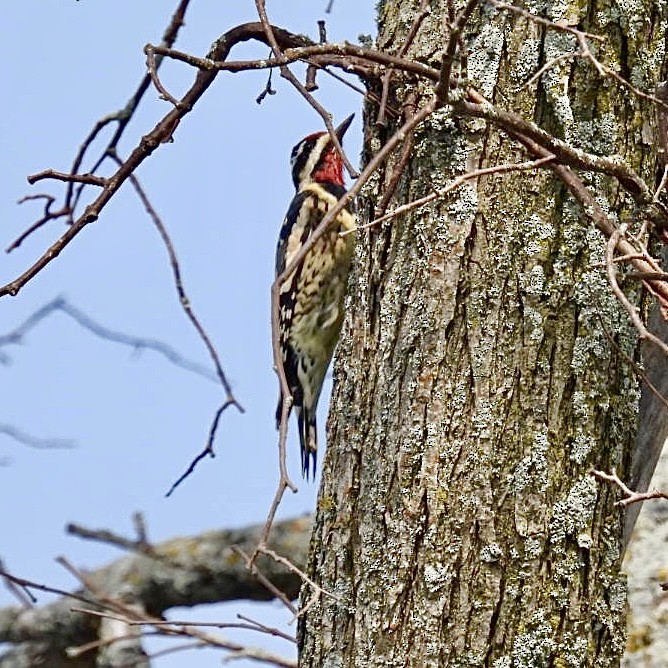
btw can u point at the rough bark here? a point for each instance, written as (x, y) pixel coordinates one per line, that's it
(652, 417)
(483, 371)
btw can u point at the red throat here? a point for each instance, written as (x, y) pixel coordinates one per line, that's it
(331, 169)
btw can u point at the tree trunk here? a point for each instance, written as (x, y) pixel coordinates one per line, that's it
(483, 371)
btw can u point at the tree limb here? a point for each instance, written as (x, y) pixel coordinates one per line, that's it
(185, 571)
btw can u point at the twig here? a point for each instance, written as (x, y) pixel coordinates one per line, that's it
(421, 15)
(287, 74)
(297, 571)
(268, 90)
(21, 595)
(230, 399)
(252, 625)
(152, 67)
(456, 183)
(90, 179)
(35, 442)
(548, 65)
(138, 343)
(48, 215)
(631, 496)
(208, 448)
(542, 21)
(442, 89)
(124, 116)
(180, 290)
(134, 618)
(140, 544)
(404, 157)
(251, 565)
(349, 57)
(270, 630)
(614, 242)
(26, 585)
(312, 69)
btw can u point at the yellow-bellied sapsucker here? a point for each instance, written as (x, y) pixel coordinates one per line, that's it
(311, 298)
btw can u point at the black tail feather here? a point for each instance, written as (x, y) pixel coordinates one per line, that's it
(308, 437)
(308, 441)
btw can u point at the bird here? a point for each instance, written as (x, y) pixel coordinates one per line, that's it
(311, 298)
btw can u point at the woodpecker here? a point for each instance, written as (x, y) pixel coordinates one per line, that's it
(311, 298)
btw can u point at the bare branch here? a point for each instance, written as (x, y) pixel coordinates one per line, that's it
(542, 21)
(46, 217)
(629, 494)
(35, 442)
(421, 15)
(90, 179)
(456, 183)
(124, 115)
(442, 90)
(137, 343)
(159, 135)
(302, 90)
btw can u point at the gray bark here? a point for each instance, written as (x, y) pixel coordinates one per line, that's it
(652, 417)
(482, 373)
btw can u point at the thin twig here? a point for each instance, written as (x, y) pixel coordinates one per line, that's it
(208, 448)
(630, 495)
(35, 442)
(297, 571)
(230, 399)
(139, 544)
(421, 15)
(152, 67)
(21, 595)
(542, 21)
(549, 65)
(614, 242)
(137, 343)
(46, 217)
(270, 630)
(123, 116)
(349, 57)
(180, 290)
(456, 183)
(251, 565)
(90, 179)
(134, 618)
(442, 89)
(26, 585)
(287, 74)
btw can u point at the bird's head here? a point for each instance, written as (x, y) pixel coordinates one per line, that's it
(315, 158)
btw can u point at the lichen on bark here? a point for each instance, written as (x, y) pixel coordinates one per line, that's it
(482, 372)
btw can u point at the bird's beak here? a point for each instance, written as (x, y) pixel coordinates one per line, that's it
(341, 130)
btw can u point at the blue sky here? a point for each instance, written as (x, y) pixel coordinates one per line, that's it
(221, 188)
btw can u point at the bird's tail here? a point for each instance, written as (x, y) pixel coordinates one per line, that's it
(308, 440)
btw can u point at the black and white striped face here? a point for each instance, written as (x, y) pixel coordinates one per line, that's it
(305, 157)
